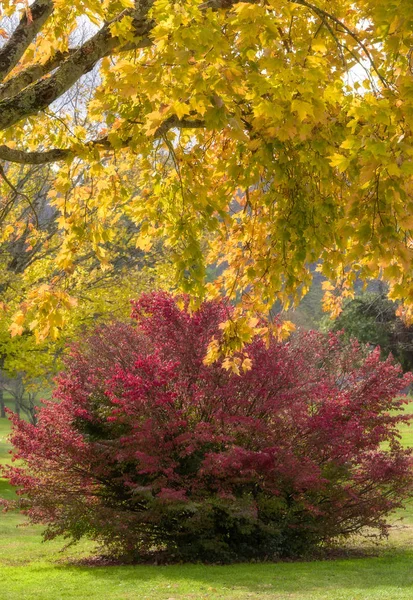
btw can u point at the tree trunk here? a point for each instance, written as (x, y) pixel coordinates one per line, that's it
(2, 406)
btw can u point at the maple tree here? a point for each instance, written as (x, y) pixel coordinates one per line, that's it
(145, 448)
(265, 136)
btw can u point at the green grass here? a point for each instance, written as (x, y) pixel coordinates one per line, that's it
(407, 430)
(33, 570)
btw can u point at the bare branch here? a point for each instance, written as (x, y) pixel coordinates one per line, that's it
(18, 193)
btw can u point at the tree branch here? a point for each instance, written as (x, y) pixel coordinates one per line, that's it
(222, 4)
(57, 154)
(32, 74)
(35, 72)
(326, 15)
(33, 158)
(173, 122)
(39, 95)
(29, 26)
(18, 193)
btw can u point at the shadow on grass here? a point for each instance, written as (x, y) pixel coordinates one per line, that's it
(32, 571)
(387, 571)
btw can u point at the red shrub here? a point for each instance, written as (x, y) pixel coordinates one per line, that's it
(148, 448)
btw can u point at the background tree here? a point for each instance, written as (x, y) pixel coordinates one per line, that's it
(373, 319)
(33, 238)
(24, 397)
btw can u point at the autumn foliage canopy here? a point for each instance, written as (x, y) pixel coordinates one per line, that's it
(262, 136)
(147, 449)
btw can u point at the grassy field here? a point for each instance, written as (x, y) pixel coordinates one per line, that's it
(32, 570)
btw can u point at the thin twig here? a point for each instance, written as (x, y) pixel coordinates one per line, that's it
(18, 193)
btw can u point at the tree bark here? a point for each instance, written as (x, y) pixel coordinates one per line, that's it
(26, 31)
(2, 405)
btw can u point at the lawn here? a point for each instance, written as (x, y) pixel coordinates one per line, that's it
(30, 569)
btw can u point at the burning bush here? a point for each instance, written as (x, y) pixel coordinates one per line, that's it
(148, 449)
